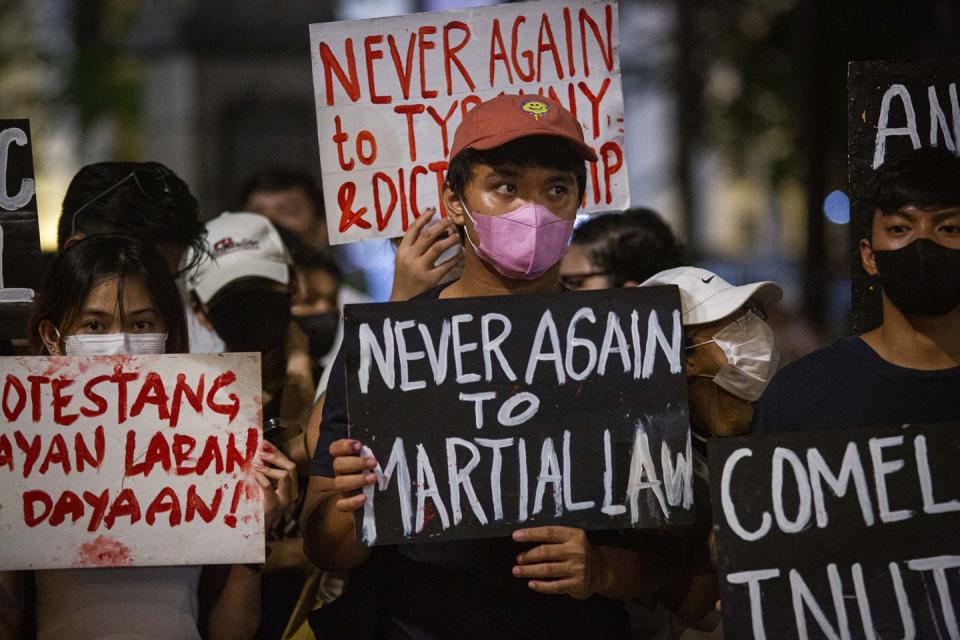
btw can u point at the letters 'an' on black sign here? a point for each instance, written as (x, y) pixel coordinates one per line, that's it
(848, 534)
(491, 414)
(893, 107)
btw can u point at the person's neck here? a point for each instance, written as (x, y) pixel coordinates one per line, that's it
(480, 279)
(927, 343)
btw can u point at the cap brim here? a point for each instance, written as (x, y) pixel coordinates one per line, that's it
(728, 301)
(212, 282)
(490, 142)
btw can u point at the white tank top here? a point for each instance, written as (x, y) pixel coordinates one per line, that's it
(135, 603)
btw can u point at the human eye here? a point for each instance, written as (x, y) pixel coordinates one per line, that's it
(92, 326)
(897, 228)
(559, 190)
(506, 188)
(142, 325)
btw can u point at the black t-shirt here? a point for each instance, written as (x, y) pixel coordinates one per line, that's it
(848, 385)
(462, 589)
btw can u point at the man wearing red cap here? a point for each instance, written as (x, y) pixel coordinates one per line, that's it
(516, 177)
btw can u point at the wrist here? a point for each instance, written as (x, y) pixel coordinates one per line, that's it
(257, 567)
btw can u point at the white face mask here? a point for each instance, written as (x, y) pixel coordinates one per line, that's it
(114, 344)
(752, 356)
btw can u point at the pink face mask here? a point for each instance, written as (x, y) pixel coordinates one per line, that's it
(522, 244)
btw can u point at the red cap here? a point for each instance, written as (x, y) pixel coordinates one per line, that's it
(505, 118)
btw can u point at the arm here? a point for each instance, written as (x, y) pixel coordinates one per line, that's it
(235, 612)
(338, 473)
(417, 253)
(329, 534)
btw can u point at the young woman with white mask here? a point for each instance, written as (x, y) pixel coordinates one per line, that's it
(108, 295)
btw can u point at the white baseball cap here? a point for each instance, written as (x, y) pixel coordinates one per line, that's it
(243, 245)
(706, 297)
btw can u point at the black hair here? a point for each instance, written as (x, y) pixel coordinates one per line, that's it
(281, 179)
(632, 245)
(927, 178)
(104, 198)
(548, 152)
(78, 269)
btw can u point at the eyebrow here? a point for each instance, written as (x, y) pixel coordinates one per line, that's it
(100, 313)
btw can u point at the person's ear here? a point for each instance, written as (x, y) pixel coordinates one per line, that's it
(50, 337)
(868, 258)
(72, 240)
(200, 310)
(451, 202)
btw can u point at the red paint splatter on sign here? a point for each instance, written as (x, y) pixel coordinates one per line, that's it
(103, 552)
(55, 364)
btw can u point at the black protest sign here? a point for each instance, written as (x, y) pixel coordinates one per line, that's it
(847, 535)
(18, 206)
(491, 414)
(893, 107)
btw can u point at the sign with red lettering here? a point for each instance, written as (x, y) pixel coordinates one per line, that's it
(391, 92)
(110, 461)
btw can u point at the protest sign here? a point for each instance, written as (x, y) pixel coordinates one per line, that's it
(130, 460)
(20, 237)
(390, 93)
(850, 534)
(491, 414)
(892, 107)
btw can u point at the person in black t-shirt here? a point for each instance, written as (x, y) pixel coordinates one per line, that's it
(515, 180)
(907, 370)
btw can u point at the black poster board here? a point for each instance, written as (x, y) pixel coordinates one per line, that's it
(18, 207)
(893, 107)
(568, 383)
(860, 532)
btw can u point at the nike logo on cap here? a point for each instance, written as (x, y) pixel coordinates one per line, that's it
(708, 280)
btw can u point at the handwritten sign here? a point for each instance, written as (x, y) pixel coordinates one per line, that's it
(490, 414)
(893, 107)
(130, 460)
(20, 237)
(849, 534)
(391, 92)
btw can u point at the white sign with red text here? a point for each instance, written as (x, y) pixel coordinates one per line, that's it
(130, 461)
(391, 92)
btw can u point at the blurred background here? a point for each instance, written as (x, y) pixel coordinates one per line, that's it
(735, 110)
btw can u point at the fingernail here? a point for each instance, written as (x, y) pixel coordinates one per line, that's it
(267, 446)
(371, 478)
(356, 446)
(371, 462)
(516, 571)
(519, 535)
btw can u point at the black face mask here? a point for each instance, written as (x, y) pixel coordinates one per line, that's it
(321, 328)
(922, 278)
(249, 320)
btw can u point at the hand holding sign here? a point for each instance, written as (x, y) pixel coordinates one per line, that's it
(353, 472)
(564, 563)
(283, 471)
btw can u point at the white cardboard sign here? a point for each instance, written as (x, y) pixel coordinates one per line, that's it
(130, 461)
(391, 92)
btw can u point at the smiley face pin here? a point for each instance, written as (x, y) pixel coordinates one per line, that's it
(535, 107)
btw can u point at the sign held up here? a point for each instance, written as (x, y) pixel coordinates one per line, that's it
(130, 460)
(390, 93)
(20, 236)
(848, 534)
(893, 107)
(491, 414)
